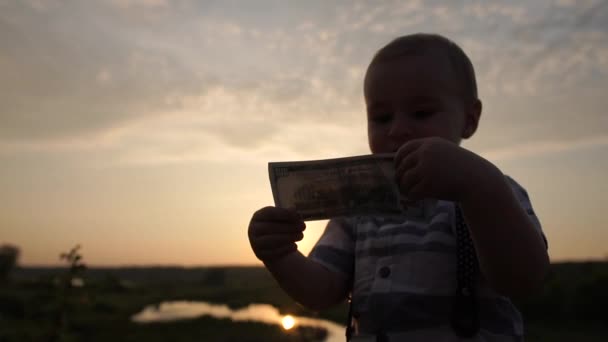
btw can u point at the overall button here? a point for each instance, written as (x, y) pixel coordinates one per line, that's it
(384, 272)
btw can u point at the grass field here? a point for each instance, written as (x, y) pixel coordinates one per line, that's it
(36, 306)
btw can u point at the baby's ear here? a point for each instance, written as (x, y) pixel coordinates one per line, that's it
(471, 120)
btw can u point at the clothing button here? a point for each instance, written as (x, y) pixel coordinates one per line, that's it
(385, 272)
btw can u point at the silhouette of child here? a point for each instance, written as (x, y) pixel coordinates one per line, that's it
(405, 275)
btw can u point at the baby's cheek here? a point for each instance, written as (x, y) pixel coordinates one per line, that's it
(376, 146)
(378, 142)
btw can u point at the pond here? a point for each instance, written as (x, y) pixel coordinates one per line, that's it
(265, 313)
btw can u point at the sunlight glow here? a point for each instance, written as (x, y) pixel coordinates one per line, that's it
(288, 322)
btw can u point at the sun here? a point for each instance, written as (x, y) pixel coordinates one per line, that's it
(288, 322)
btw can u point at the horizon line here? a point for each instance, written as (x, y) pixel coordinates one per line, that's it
(152, 265)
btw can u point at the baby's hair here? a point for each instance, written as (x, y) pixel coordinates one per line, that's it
(421, 42)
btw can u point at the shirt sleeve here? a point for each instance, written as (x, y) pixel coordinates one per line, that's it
(524, 200)
(336, 247)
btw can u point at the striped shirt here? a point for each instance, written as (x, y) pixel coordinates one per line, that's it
(403, 272)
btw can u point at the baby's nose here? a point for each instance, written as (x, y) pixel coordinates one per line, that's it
(401, 127)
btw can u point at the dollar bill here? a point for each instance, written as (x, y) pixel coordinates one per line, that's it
(322, 189)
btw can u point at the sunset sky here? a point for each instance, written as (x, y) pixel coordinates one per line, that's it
(142, 129)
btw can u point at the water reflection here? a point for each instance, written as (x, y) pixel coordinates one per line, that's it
(176, 310)
(288, 322)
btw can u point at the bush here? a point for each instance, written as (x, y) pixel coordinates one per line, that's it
(8, 260)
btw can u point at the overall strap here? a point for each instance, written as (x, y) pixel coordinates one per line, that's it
(349, 319)
(465, 311)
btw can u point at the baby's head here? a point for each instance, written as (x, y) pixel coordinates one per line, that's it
(418, 86)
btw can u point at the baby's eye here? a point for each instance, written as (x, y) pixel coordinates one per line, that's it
(382, 118)
(423, 113)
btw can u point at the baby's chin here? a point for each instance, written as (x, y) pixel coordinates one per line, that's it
(387, 146)
(384, 151)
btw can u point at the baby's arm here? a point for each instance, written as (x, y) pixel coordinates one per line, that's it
(512, 252)
(308, 282)
(272, 234)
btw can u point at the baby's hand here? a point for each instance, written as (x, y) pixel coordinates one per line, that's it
(273, 232)
(437, 168)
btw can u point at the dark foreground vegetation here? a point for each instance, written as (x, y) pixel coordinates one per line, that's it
(45, 304)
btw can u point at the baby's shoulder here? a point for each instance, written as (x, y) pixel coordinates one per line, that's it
(518, 189)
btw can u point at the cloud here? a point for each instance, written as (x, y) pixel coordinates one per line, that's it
(77, 77)
(73, 77)
(516, 14)
(555, 43)
(139, 3)
(222, 124)
(197, 139)
(239, 77)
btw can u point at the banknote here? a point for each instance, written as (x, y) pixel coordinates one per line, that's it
(322, 189)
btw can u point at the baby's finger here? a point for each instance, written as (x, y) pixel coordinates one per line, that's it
(406, 149)
(274, 214)
(265, 228)
(268, 242)
(406, 164)
(269, 255)
(416, 191)
(408, 181)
